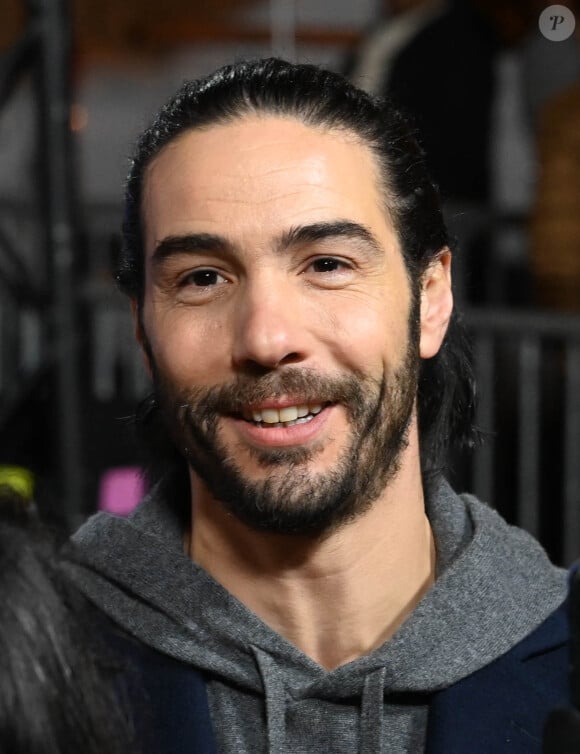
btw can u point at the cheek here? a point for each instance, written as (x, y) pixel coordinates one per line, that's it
(366, 333)
(187, 346)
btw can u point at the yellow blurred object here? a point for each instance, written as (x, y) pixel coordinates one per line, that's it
(555, 226)
(18, 479)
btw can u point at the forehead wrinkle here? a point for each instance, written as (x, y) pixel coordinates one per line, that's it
(234, 199)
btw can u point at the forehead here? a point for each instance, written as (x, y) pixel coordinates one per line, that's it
(259, 175)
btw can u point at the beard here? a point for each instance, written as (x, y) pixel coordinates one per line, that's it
(291, 498)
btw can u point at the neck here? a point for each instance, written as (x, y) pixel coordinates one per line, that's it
(335, 598)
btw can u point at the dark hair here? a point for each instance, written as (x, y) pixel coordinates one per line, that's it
(56, 683)
(322, 98)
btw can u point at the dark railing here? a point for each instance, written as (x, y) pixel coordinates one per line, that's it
(528, 371)
(44, 50)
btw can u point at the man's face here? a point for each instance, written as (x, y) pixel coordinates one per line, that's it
(279, 320)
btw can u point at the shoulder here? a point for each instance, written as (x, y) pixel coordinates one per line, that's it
(503, 706)
(167, 698)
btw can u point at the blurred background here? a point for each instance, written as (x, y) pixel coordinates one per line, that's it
(496, 98)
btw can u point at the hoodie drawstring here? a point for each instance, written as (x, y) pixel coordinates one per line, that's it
(275, 694)
(372, 706)
(371, 724)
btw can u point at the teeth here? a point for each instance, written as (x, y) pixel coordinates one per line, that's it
(288, 414)
(285, 416)
(270, 416)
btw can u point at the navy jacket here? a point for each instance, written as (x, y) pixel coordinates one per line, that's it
(499, 709)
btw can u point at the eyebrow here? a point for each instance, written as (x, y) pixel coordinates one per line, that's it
(337, 229)
(190, 243)
(199, 243)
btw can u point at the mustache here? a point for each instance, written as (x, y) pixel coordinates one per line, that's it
(307, 385)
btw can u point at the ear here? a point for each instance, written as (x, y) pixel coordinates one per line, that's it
(140, 336)
(436, 304)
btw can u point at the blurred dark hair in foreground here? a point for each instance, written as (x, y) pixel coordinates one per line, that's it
(56, 689)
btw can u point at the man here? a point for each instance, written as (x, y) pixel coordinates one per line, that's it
(301, 578)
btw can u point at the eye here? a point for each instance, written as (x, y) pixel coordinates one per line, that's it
(328, 264)
(203, 278)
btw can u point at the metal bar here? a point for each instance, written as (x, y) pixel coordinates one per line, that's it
(571, 544)
(529, 434)
(516, 321)
(483, 469)
(20, 279)
(3, 354)
(51, 17)
(8, 346)
(31, 343)
(15, 62)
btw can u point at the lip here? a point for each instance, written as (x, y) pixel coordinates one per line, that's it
(279, 437)
(279, 403)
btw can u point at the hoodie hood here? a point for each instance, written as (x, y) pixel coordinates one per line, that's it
(494, 586)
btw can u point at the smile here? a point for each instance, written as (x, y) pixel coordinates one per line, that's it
(283, 426)
(288, 416)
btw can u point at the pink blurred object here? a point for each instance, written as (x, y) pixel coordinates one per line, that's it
(120, 489)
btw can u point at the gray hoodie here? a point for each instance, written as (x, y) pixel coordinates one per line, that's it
(494, 586)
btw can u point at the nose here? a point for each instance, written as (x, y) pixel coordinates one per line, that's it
(270, 330)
